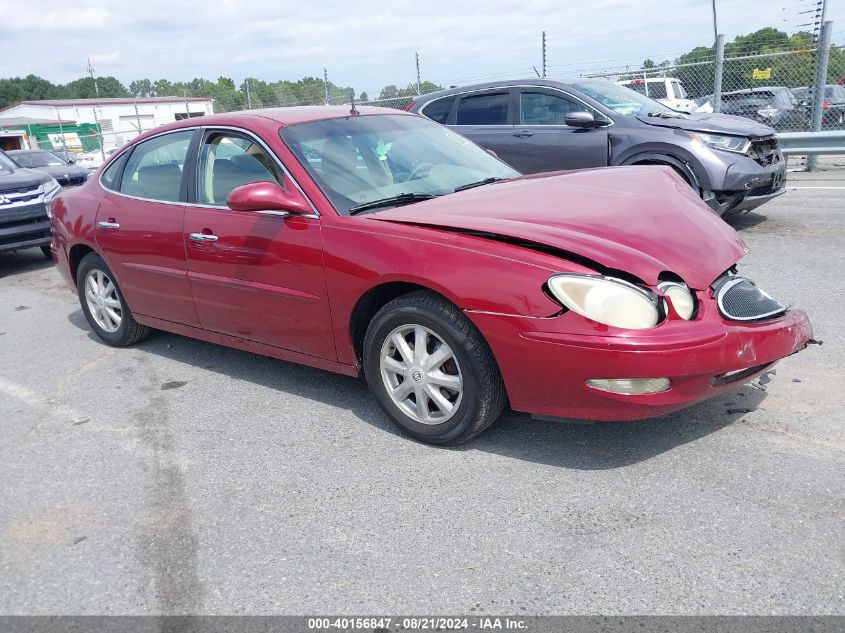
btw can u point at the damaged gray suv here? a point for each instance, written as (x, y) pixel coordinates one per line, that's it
(540, 125)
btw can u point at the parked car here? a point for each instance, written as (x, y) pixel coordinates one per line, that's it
(93, 160)
(667, 90)
(66, 174)
(376, 241)
(774, 106)
(833, 104)
(24, 194)
(539, 126)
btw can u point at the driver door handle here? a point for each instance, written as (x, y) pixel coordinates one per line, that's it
(108, 225)
(524, 134)
(203, 237)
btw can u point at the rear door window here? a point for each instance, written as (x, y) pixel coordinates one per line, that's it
(154, 169)
(439, 109)
(484, 109)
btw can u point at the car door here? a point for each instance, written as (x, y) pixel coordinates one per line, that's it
(139, 227)
(543, 142)
(254, 275)
(486, 118)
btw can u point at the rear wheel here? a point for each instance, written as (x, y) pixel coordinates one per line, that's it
(104, 306)
(431, 370)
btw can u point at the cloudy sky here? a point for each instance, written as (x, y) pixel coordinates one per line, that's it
(367, 44)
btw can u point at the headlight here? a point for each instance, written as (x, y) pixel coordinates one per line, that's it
(768, 112)
(606, 300)
(50, 188)
(680, 296)
(738, 144)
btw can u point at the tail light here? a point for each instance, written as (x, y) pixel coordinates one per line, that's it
(826, 104)
(409, 106)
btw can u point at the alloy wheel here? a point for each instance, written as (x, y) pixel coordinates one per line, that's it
(103, 301)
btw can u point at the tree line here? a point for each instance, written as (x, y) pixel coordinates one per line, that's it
(227, 95)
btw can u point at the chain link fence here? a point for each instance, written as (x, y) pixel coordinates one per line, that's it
(776, 89)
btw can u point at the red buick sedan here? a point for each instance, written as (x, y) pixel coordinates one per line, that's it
(377, 241)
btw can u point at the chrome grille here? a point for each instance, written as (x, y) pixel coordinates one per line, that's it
(740, 300)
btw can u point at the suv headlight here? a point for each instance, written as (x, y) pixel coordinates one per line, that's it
(51, 188)
(737, 144)
(607, 300)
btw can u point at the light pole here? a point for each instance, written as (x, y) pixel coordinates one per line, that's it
(715, 28)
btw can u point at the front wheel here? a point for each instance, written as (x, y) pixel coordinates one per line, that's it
(431, 370)
(104, 306)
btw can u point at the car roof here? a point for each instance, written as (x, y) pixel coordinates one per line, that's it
(509, 83)
(753, 90)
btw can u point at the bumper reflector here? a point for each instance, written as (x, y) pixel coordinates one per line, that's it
(630, 386)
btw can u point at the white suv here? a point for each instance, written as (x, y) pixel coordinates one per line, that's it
(666, 90)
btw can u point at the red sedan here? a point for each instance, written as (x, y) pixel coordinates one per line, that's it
(376, 241)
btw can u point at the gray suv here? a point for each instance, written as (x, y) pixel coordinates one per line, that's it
(540, 125)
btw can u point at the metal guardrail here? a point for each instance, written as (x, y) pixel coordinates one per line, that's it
(812, 143)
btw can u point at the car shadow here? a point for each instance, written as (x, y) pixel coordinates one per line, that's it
(742, 221)
(566, 443)
(28, 260)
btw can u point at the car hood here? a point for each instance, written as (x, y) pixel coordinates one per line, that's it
(60, 171)
(713, 122)
(21, 178)
(641, 220)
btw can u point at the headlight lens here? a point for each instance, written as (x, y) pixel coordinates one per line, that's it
(680, 296)
(51, 188)
(738, 144)
(607, 300)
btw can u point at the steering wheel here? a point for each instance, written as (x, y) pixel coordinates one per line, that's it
(416, 172)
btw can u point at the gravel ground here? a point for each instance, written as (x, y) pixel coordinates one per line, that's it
(183, 477)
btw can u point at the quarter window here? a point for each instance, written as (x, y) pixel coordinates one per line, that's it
(227, 161)
(110, 174)
(154, 170)
(439, 110)
(540, 108)
(486, 109)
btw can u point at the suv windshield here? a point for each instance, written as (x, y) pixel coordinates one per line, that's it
(39, 159)
(6, 163)
(361, 159)
(621, 99)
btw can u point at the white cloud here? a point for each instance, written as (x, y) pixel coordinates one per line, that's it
(366, 45)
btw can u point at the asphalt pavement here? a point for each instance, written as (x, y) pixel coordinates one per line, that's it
(182, 477)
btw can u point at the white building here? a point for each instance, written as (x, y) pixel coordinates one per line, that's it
(120, 119)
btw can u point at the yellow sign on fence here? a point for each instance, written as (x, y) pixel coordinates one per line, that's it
(762, 73)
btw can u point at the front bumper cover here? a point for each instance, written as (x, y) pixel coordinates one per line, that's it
(545, 367)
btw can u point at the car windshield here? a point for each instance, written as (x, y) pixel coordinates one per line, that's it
(362, 159)
(39, 159)
(6, 163)
(621, 99)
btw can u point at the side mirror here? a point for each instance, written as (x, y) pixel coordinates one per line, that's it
(70, 161)
(581, 119)
(267, 196)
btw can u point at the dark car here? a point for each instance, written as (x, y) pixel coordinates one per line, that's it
(774, 106)
(24, 196)
(67, 174)
(374, 241)
(541, 125)
(833, 104)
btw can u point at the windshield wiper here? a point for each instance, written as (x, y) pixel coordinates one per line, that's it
(666, 115)
(486, 181)
(392, 201)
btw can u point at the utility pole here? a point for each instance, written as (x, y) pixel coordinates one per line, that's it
(544, 54)
(100, 106)
(715, 28)
(248, 96)
(137, 115)
(326, 85)
(61, 130)
(187, 110)
(417, 55)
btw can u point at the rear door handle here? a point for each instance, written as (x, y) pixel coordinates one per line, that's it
(523, 134)
(203, 237)
(108, 225)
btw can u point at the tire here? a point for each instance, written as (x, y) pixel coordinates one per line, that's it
(101, 299)
(480, 395)
(47, 252)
